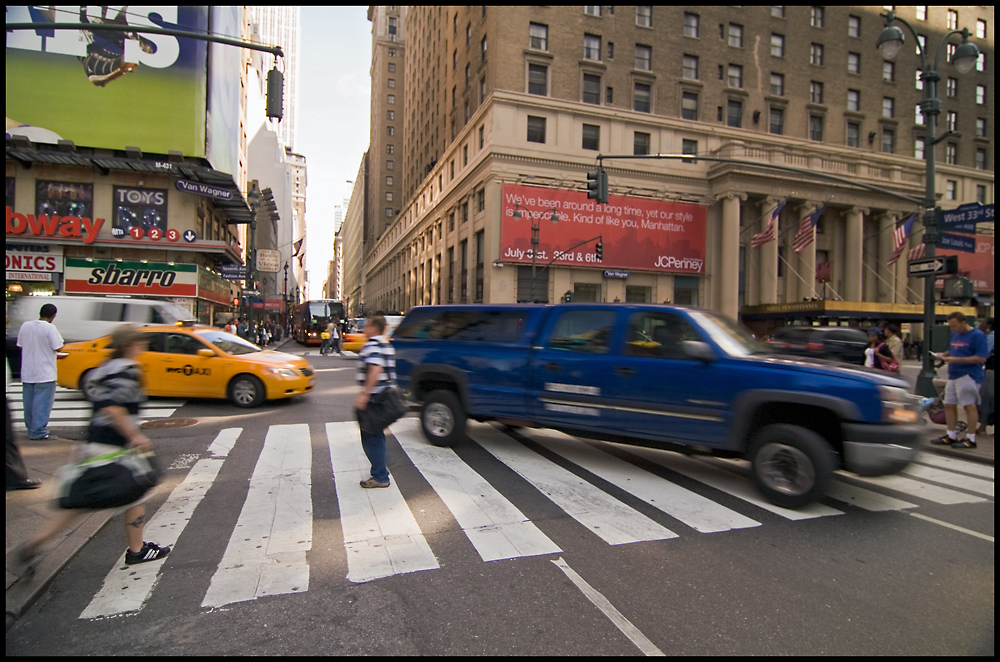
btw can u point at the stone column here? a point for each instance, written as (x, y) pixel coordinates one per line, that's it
(887, 276)
(729, 255)
(806, 266)
(853, 257)
(768, 254)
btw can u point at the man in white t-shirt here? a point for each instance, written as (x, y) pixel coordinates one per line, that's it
(39, 341)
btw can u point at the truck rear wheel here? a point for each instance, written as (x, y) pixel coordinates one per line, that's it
(442, 418)
(791, 465)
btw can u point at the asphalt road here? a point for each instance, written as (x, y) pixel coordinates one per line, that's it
(627, 574)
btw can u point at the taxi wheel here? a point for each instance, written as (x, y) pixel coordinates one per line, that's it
(246, 391)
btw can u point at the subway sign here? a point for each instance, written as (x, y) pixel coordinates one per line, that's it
(84, 276)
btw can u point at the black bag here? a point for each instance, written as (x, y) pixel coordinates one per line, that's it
(384, 408)
(106, 477)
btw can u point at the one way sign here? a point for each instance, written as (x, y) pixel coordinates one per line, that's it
(933, 266)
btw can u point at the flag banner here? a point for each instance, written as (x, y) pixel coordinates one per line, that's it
(768, 234)
(899, 237)
(806, 233)
(823, 271)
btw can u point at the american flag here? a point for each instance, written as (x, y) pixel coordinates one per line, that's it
(805, 235)
(917, 253)
(768, 234)
(899, 239)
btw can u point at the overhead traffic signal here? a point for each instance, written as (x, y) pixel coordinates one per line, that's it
(599, 249)
(597, 185)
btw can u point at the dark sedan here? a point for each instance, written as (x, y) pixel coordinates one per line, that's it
(837, 343)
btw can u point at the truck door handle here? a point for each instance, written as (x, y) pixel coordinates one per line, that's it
(553, 367)
(624, 372)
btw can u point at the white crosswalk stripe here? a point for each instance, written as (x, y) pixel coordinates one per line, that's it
(267, 550)
(72, 410)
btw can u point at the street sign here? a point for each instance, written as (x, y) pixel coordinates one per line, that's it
(971, 213)
(251, 293)
(932, 266)
(234, 272)
(957, 242)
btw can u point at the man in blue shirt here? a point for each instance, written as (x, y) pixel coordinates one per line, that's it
(965, 357)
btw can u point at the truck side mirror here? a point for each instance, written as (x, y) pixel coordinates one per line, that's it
(698, 350)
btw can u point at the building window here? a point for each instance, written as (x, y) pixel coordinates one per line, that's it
(389, 164)
(642, 98)
(919, 117)
(888, 141)
(466, 75)
(853, 134)
(388, 212)
(816, 127)
(643, 57)
(981, 62)
(609, 96)
(736, 35)
(690, 64)
(854, 63)
(640, 143)
(690, 24)
(644, 16)
(854, 100)
(482, 136)
(465, 155)
(735, 78)
(778, 45)
(689, 106)
(889, 72)
(980, 159)
(689, 147)
(778, 84)
(734, 114)
(952, 19)
(482, 48)
(391, 83)
(389, 130)
(536, 129)
(888, 107)
(391, 99)
(390, 115)
(919, 145)
(980, 29)
(611, 50)
(591, 136)
(952, 121)
(921, 12)
(482, 89)
(388, 180)
(815, 92)
(538, 36)
(816, 54)
(980, 127)
(591, 88)
(592, 10)
(980, 95)
(392, 52)
(392, 67)
(951, 154)
(389, 149)
(981, 193)
(951, 190)
(465, 211)
(817, 17)
(777, 121)
(951, 87)
(388, 196)
(538, 79)
(778, 11)
(481, 199)
(853, 26)
(591, 47)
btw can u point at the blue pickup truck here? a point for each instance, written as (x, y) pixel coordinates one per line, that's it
(667, 377)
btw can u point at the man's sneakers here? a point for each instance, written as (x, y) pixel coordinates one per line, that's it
(371, 483)
(943, 440)
(149, 552)
(963, 443)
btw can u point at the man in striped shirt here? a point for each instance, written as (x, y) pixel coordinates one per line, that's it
(376, 371)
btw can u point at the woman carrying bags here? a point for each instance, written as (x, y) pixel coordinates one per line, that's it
(877, 354)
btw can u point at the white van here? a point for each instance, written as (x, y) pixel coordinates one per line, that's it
(86, 318)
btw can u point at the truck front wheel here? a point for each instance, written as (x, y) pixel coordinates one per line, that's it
(791, 465)
(442, 418)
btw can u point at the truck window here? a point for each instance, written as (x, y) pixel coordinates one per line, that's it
(466, 325)
(111, 312)
(658, 335)
(583, 331)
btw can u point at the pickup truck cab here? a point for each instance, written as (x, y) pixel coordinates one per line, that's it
(661, 376)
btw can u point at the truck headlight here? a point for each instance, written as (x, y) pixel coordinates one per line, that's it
(898, 406)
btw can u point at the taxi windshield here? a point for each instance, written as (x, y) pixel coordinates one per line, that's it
(229, 343)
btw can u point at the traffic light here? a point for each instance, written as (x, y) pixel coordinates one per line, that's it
(597, 185)
(599, 249)
(236, 301)
(275, 94)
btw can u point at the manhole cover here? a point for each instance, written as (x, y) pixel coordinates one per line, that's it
(169, 423)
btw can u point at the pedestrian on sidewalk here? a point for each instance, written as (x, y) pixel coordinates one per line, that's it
(117, 385)
(39, 341)
(967, 352)
(986, 406)
(17, 474)
(894, 342)
(376, 371)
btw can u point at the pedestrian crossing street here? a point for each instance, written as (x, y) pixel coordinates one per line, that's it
(72, 410)
(268, 549)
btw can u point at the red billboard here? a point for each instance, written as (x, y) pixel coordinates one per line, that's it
(637, 233)
(977, 267)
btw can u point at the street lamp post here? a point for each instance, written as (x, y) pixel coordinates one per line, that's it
(534, 240)
(889, 43)
(284, 300)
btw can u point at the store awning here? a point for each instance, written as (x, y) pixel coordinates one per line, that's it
(823, 309)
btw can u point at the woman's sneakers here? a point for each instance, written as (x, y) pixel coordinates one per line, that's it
(149, 552)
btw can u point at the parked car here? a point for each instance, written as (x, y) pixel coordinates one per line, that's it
(837, 343)
(662, 376)
(197, 361)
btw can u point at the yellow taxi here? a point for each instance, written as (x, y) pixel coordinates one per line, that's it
(197, 361)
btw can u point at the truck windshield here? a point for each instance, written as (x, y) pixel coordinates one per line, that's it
(731, 337)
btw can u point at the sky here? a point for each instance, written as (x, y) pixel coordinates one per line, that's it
(334, 108)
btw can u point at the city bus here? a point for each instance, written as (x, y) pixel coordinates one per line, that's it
(309, 319)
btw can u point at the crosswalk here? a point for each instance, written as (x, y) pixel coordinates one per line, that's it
(270, 546)
(72, 410)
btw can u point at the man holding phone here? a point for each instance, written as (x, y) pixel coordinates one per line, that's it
(965, 357)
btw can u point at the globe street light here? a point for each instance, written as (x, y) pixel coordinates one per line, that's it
(534, 239)
(889, 43)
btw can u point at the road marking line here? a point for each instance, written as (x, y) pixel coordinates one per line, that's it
(266, 554)
(627, 628)
(731, 483)
(126, 588)
(381, 536)
(606, 516)
(916, 488)
(951, 479)
(495, 526)
(963, 466)
(862, 498)
(953, 526)
(696, 511)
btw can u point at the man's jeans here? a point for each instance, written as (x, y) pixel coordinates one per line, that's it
(38, 400)
(374, 447)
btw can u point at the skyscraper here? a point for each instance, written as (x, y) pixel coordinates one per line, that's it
(278, 25)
